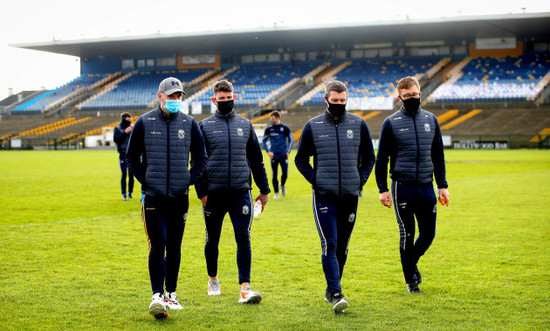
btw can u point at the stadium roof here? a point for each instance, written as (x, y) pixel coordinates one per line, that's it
(278, 39)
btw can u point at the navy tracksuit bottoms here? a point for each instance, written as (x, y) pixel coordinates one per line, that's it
(275, 162)
(164, 221)
(239, 206)
(335, 219)
(410, 201)
(124, 169)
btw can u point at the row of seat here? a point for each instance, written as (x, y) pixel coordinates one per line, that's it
(377, 78)
(39, 103)
(255, 82)
(481, 78)
(41, 130)
(497, 79)
(138, 90)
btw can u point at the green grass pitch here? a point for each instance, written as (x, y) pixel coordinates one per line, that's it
(73, 255)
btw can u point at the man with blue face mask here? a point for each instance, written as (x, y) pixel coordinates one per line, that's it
(163, 143)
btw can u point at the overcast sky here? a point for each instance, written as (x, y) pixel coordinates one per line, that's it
(40, 21)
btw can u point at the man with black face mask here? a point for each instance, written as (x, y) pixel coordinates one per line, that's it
(411, 140)
(343, 158)
(121, 136)
(234, 152)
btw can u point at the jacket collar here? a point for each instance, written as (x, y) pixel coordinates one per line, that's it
(228, 116)
(409, 113)
(165, 116)
(330, 117)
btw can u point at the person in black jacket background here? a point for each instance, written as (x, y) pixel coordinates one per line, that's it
(158, 155)
(411, 140)
(343, 158)
(121, 136)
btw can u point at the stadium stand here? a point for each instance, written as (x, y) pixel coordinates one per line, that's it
(137, 90)
(44, 129)
(374, 78)
(543, 134)
(256, 84)
(208, 85)
(520, 78)
(315, 95)
(461, 119)
(48, 98)
(448, 115)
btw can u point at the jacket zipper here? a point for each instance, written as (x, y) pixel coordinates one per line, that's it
(417, 147)
(168, 157)
(339, 166)
(228, 154)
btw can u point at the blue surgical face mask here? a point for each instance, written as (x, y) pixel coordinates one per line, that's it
(172, 106)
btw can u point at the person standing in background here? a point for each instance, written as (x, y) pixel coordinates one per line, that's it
(121, 136)
(280, 144)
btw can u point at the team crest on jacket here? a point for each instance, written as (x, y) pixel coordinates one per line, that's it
(246, 210)
(427, 127)
(181, 134)
(351, 217)
(240, 131)
(350, 134)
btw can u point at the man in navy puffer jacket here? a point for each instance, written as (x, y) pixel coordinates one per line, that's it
(158, 156)
(233, 153)
(343, 158)
(411, 140)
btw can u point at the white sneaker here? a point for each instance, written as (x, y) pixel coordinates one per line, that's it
(249, 296)
(157, 306)
(214, 287)
(276, 196)
(283, 190)
(171, 300)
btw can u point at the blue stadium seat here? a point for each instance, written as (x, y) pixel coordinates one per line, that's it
(497, 79)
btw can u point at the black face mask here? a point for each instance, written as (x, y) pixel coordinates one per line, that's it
(411, 104)
(125, 123)
(225, 107)
(336, 109)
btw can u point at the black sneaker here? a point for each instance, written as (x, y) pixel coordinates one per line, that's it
(338, 302)
(413, 288)
(417, 276)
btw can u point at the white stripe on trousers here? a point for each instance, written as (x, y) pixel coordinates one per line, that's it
(396, 206)
(316, 217)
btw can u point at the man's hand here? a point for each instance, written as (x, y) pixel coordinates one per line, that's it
(385, 199)
(128, 129)
(263, 199)
(270, 154)
(443, 196)
(203, 200)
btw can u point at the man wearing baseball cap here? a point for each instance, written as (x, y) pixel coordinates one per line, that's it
(163, 143)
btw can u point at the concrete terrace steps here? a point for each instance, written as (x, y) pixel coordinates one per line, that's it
(448, 115)
(543, 134)
(461, 119)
